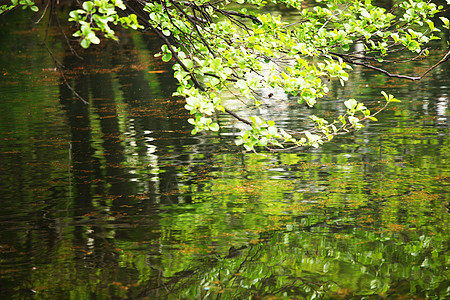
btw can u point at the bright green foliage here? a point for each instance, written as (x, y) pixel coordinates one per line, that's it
(97, 16)
(16, 3)
(257, 51)
(227, 47)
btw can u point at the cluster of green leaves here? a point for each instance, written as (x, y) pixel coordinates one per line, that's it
(353, 107)
(16, 3)
(96, 16)
(230, 55)
(218, 51)
(264, 133)
(379, 30)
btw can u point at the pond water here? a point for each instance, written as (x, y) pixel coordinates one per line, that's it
(116, 200)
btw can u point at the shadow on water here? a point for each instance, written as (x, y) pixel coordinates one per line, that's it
(117, 200)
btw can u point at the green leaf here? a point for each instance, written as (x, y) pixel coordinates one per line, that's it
(446, 22)
(351, 103)
(215, 63)
(263, 141)
(167, 57)
(248, 146)
(93, 38)
(214, 126)
(85, 43)
(88, 6)
(188, 63)
(213, 81)
(413, 46)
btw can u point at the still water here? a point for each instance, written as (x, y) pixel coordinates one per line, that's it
(116, 200)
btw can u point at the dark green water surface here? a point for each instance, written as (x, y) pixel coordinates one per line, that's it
(116, 200)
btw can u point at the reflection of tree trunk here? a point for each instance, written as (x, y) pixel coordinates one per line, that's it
(156, 121)
(140, 97)
(83, 162)
(136, 93)
(105, 106)
(86, 167)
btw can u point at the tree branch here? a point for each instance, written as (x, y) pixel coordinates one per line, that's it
(237, 117)
(170, 47)
(413, 78)
(194, 24)
(235, 13)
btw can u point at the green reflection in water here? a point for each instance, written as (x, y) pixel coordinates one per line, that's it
(116, 200)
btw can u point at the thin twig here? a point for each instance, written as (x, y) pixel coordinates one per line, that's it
(43, 14)
(444, 59)
(55, 61)
(67, 40)
(194, 24)
(61, 72)
(237, 117)
(413, 78)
